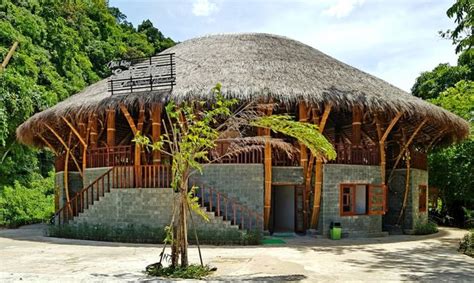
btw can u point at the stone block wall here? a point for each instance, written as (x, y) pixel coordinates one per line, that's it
(243, 182)
(288, 175)
(148, 207)
(396, 194)
(352, 226)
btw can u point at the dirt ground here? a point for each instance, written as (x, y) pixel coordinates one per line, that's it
(27, 255)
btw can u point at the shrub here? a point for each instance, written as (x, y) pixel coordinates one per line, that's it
(20, 205)
(425, 227)
(466, 246)
(151, 235)
(190, 272)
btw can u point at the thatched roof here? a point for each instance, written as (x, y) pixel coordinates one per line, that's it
(256, 66)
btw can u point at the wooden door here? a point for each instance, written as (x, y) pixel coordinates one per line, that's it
(299, 209)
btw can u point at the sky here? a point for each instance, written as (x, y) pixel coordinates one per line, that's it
(394, 40)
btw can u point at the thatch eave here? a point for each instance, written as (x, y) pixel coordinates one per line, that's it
(256, 67)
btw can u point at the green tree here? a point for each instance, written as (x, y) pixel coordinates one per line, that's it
(192, 130)
(63, 47)
(463, 34)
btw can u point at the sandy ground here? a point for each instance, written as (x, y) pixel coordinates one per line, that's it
(26, 255)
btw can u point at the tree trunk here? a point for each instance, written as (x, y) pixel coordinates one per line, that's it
(184, 227)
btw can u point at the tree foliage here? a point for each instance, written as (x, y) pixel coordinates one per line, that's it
(452, 87)
(430, 84)
(63, 47)
(463, 34)
(192, 130)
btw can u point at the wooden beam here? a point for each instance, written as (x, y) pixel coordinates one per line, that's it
(74, 131)
(327, 111)
(156, 129)
(435, 139)
(9, 56)
(407, 145)
(48, 144)
(318, 183)
(63, 143)
(129, 118)
(390, 126)
(57, 136)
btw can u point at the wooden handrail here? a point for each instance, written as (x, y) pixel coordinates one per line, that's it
(76, 204)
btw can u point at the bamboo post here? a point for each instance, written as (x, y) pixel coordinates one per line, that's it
(267, 110)
(382, 138)
(156, 130)
(318, 184)
(94, 130)
(9, 56)
(356, 125)
(111, 127)
(303, 117)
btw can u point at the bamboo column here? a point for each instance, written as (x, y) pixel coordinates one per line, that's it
(111, 127)
(303, 117)
(83, 150)
(318, 184)
(356, 125)
(94, 131)
(267, 110)
(156, 129)
(382, 138)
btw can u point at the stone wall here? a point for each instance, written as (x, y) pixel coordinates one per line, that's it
(288, 175)
(243, 182)
(352, 226)
(148, 207)
(396, 194)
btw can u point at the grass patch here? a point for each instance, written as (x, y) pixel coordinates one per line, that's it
(192, 271)
(425, 227)
(272, 241)
(151, 235)
(466, 245)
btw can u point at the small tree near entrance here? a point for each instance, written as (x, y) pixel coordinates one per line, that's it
(191, 130)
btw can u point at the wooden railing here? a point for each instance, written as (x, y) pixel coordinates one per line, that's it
(149, 176)
(365, 155)
(83, 199)
(229, 208)
(110, 156)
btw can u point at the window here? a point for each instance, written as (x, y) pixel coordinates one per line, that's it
(422, 198)
(362, 199)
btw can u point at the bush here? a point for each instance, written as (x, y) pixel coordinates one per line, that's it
(425, 227)
(151, 235)
(20, 205)
(190, 272)
(466, 246)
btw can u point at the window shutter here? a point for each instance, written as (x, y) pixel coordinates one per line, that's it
(377, 197)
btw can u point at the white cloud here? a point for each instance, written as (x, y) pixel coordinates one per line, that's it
(342, 8)
(204, 8)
